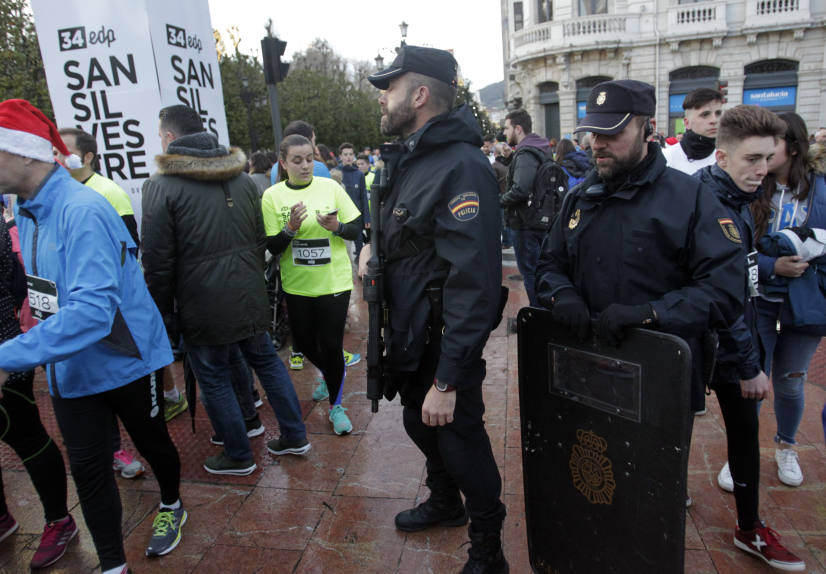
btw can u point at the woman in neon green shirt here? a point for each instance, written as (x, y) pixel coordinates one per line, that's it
(307, 220)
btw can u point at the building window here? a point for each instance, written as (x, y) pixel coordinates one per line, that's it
(544, 11)
(592, 7)
(518, 18)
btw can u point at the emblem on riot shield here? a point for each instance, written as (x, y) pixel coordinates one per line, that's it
(591, 470)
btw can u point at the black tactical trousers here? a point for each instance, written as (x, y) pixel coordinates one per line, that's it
(459, 454)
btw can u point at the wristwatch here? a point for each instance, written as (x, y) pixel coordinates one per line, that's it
(443, 387)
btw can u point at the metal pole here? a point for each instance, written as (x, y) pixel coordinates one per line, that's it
(276, 115)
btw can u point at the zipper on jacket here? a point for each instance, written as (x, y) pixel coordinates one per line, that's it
(25, 212)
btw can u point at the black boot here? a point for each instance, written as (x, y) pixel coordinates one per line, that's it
(485, 553)
(443, 508)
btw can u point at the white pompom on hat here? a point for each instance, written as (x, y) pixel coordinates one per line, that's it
(27, 132)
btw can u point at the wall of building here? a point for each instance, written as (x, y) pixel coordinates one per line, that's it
(649, 40)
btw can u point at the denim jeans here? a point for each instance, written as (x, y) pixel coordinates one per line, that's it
(242, 382)
(211, 364)
(788, 355)
(526, 245)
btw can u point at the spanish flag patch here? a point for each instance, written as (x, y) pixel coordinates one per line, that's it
(730, 230)
(464, 206)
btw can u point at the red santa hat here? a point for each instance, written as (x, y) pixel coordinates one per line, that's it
(26, 131)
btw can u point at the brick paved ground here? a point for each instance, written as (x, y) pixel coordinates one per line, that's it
(333, 510)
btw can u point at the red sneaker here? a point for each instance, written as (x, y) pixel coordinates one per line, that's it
(53, 543)
(7, 526)
(765, 543)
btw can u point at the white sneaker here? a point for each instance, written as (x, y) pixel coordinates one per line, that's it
(788, 469)
(724, 479)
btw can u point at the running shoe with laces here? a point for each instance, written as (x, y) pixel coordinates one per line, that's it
(281, 446)
(223, 464)
(173, 408)
(321, 392)
(8, 525)
(166, 531)
(53, 543)
(788, 468)
(724, 479)
(341, 422)
(764, 543)
(128, 465)
(351, 359)
(296, 360)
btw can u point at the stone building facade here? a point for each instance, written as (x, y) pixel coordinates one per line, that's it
(765, 52)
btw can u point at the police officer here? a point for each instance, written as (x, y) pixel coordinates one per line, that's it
(639, 243)
(443, 270)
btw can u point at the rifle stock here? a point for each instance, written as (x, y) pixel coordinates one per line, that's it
(373, 283)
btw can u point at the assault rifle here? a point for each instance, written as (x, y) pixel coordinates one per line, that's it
(374, 296)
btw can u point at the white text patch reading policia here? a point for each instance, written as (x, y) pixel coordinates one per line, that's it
(464, 206)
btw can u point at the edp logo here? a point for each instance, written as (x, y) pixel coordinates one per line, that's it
(75, 38)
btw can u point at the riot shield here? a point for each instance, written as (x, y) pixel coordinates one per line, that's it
(604, 449)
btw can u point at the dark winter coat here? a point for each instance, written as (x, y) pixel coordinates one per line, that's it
(203, 243)
(443, 195)
(521, 174)
(740, 353)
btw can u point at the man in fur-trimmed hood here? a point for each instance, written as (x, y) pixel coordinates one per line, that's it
(203, 250)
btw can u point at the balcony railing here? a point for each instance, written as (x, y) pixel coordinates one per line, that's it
(575, 33)
(773, 13)
(701, 18)
(609, 27)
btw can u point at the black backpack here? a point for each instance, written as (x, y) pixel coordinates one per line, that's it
(550, 185)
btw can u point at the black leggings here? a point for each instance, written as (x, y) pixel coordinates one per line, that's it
(317, 325)
(21, 429)
(86, 425)
(740, 416)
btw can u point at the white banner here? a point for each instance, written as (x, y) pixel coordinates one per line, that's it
(186, 59)
(100, 58)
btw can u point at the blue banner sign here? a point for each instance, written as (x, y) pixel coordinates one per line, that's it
(675, 104)
(771, 97)
(580, 110)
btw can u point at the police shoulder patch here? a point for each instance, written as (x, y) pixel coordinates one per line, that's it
(730, 230)
(464, 206)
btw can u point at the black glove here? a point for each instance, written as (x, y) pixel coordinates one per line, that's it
(570, 310)
(509, 199)
(803, 232)
(615, 318)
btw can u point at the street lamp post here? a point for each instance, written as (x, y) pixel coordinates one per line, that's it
(246, 97)
(379, 62)
(403, 30)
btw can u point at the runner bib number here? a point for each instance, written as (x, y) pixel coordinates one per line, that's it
(42, 297)
(311, 252)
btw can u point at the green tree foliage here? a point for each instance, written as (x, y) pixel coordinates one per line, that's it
(321, 88)
(21, 66)
(245, 102)
(332, 94)
(464, 96)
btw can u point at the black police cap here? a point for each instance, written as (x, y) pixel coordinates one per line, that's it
(431, 62)
(611, 105)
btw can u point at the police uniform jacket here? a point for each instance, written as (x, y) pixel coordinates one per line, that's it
(656, 239)
(443, 196)
(740, 354)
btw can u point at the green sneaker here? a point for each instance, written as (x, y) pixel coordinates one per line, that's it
(296, 360)
(173, 408)
(280, 446)
(341, 422)
(351, 359)
(166, 531)
(320, 392)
